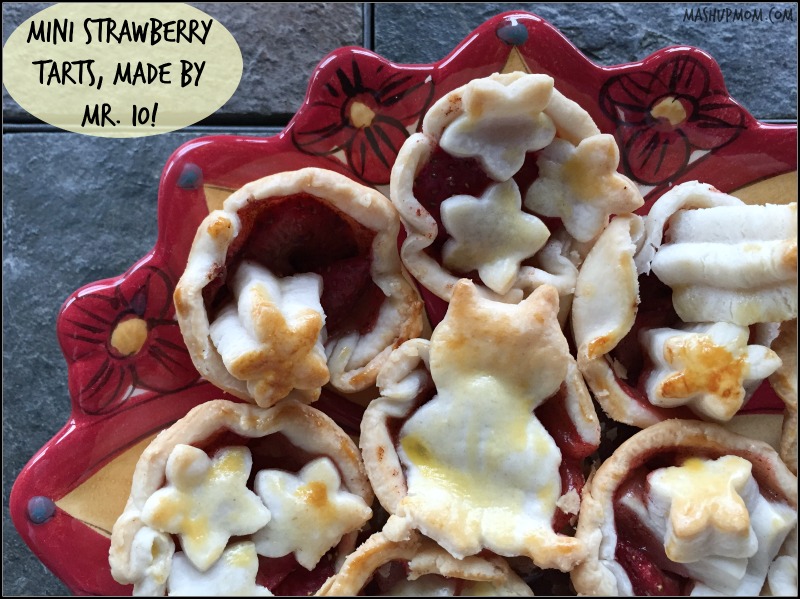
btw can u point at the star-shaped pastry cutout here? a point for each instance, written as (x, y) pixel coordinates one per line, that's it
(502, 122)
(580, 185)
(705, 507)
(206, 501)
(232, 575)
(271, 336)
(311, 512)
(705, 367)
(491, 234)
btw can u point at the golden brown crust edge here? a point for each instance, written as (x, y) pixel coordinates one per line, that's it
(603, 312)
(423, 557)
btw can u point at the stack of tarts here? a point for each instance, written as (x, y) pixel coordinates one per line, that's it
(482, 465)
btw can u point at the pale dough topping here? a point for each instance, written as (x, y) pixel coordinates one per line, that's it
(206, 501)
(706, 367)
(491, 234)
(482, 471)
(233, 575)
(580, 185)
(501, 123)
(311, 512)
(724, 260)
(705, 508)
(715, 522)
(271, 335)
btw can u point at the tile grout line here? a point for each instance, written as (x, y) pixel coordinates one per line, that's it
(29, 128)
(368, 42)
(368, 21)
(11, 128)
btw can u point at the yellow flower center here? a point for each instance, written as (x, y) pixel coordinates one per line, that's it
(671, 109)
(361, 115)
(129, 336)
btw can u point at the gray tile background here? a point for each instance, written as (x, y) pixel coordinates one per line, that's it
(77, 209)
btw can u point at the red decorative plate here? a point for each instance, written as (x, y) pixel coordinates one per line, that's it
(129, 372)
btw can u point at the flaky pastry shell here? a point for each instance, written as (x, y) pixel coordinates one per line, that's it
(499, 120)
(288, 357)
(607, 310)
(601, 573)
(784, 382)
(420, 557)
(142, 556)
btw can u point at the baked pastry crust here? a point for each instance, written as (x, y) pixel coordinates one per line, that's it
(524, 358)
(423, 557)
(784, 382)
(601, 573)
(142, 556)
(497, 120)
(725, 260)
(285, 361)
(607, 298)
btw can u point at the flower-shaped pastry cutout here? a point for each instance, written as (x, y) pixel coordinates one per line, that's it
(271, 336)
(311, 512)
(501, 123)
(580, 185)
(706, 512)
(233, 574)
(491, 234)
(707, 367)
(206, 501)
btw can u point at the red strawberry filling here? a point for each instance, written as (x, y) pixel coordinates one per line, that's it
(444, 176)
(298, 234)
(350, 299)
(574, 450)
(639, 552)
(284, 577)
(646, 578)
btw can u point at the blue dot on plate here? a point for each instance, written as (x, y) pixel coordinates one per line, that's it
(40, 509)
(191, 177)
(514, 34)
